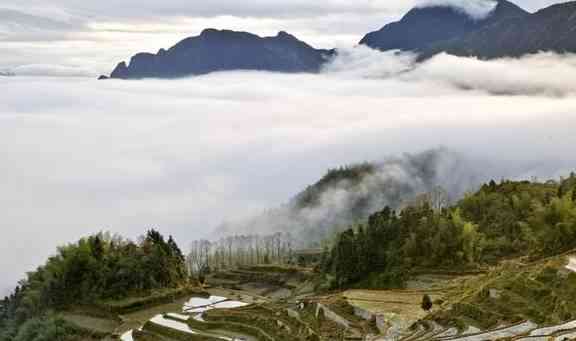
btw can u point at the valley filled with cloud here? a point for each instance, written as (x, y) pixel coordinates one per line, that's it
(185, 155)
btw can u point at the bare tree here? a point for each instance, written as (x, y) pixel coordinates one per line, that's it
(240, 250)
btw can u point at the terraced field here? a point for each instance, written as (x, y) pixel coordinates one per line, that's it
(494, 305)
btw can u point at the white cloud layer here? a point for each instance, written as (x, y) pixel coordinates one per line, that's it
(80, 155)
(48, 70)
(545, 74)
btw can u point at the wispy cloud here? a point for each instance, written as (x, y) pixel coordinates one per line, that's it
(477, 9)
(546, 74)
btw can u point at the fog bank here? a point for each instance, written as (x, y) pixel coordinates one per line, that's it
(544, 74)
(80, 156)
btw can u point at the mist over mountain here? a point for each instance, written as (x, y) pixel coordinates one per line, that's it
(418, 185)
(482, 28)
(437, 21)
(550, 29)
(507, 31)
(225, 50)
(349, 194)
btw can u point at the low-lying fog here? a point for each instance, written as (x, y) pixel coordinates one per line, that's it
(80, 155)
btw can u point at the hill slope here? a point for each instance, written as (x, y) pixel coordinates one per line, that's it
(349, 194)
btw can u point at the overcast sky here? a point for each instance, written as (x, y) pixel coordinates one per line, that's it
(89, 37)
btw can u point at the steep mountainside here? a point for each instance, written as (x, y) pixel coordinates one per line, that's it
(215, 50)
(550, 29)
(423, 26)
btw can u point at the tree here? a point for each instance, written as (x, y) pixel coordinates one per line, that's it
(345, 262)
(95, 268)
(427, 303)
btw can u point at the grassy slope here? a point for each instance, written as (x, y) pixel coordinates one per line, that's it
(543, 292)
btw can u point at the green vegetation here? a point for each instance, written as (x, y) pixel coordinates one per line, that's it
(500, 221)
(543, 292)
(155, 297)
(94, 269)
(46, 329)
(264, 322)
(501, 244)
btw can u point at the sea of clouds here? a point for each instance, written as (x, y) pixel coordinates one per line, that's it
(80, 155)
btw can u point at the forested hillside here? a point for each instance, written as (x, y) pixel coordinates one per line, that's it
(95, 268)
(349, 194)
(500, 221)
(510, 220)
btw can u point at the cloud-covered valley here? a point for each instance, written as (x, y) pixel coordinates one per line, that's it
(80, 156)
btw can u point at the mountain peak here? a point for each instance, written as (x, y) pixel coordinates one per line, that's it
(212, 33)
(120, 72)
(477, 10)
(209, 31)
(438, 21)
(224, 50)
(420, 12)
(284, 34)
(420, 27)
(549, 29)
(507, 9)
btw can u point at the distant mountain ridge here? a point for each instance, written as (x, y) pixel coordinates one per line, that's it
(225, 50)
(424, 26)
(507, 31)
(552, 29)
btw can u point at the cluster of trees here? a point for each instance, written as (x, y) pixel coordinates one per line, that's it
(500, 220)
(43, 329)
(243, 250)
(95, 268)
(390, 242)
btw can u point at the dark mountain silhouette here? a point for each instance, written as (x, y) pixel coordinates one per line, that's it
(550, 29)
(424, 26)
(215, 50)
